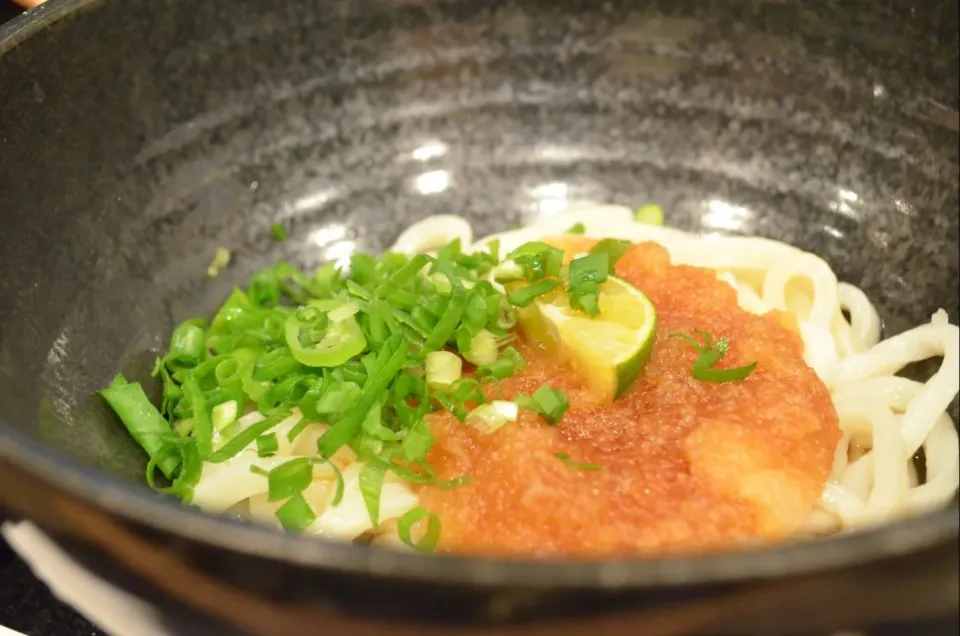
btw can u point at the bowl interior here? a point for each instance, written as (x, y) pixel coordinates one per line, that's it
(120, 174)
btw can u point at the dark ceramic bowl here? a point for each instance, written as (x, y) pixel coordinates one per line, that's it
(136, 137)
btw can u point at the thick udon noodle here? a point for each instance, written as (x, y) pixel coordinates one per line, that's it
(885, 419)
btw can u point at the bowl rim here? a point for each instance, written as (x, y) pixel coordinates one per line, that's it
(136, 504)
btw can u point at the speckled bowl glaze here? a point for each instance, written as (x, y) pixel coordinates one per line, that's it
(136, 137)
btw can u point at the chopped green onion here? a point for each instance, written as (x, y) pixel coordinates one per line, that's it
(371, 486)
(279, 233)
(338, 399)
(296, 515)
(184, 453)
(274, 364)
(448, 322)
(523, 296)
(221, 259)
(373, 425)
(710, 355)
(591, 268)
(576, 465)
(442, 369)
(538, 260)
(506, 316)
(330, 347)
(297, 429)
(441, 283)
(649, 214)
(143, 420)
(187, 344)
(585, 297)
(550, 403)
(507, 272)
(202, 425)
(456, 482)
(183, 428)
(576, 228)
(488, 418)
(358, 350)
(289, 478)
(431, 535)
(224, 414)
(338, 493)
(417, 442)
(390, 360)
(508, 364)
(586, 273)
(267, 445)
(483, 348)
(494, 250)
(613, 248)
(343, 312)
(247, 436)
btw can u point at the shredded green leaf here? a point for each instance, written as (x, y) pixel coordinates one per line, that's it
(296, 515)
(267, 445)
(289, 478)
(221, 259)
(650, 214)
(371, 486)
(279, 232)
(576, 465)
(710, 355)
(430, 536)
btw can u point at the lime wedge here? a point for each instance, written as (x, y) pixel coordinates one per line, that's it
(610, 349)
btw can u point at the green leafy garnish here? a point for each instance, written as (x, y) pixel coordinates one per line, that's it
(576, 465)
(371, 485)
(267, 445)
(144, 422)
(296, 515)
(279, 232)
(576, 228)
(523, 296)
(710, 355)
(431, 535)
(221, 258)
(347, 349)
(550, 403)
(586, 274)
(649, 214)
(613, 248)
(289, 478)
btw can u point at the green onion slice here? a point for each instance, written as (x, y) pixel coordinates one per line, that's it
(613, 248)
(371, 487)
(316, 344)
(576, 465)
(649, 214)
(247, 436)
(143, 421)
(296, 515)
(431, 535)
(710, 355)
(289, 478)
(523, 296)
(267, 445)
